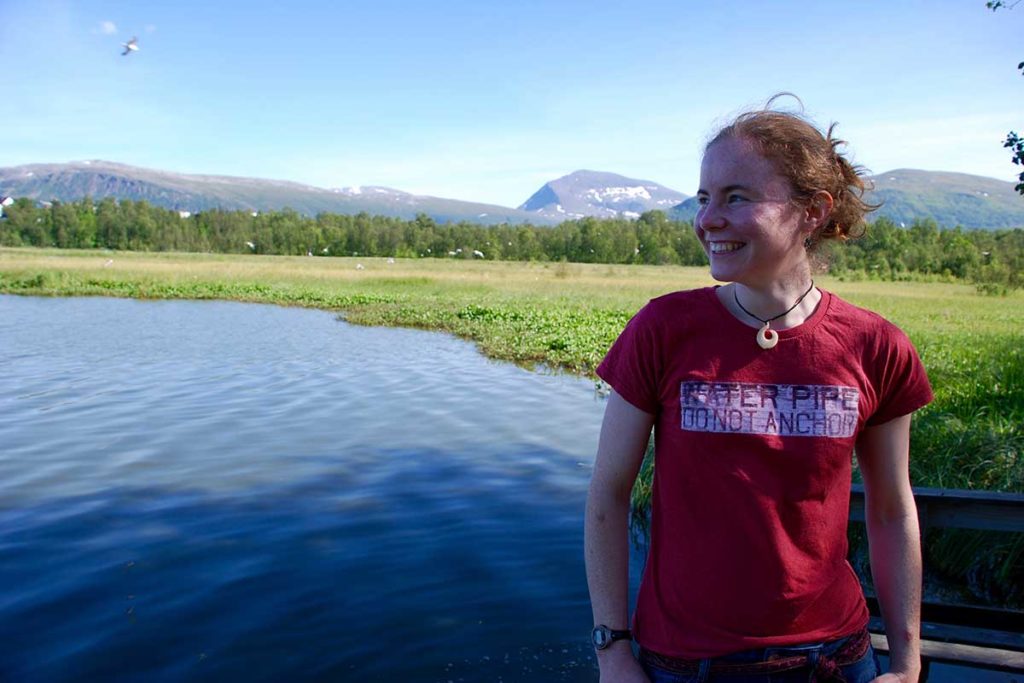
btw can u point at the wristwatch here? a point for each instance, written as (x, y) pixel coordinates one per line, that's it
(602, 636)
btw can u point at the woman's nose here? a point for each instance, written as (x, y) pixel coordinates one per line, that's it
(709, 217)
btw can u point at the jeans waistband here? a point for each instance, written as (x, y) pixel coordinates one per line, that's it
(824, 659)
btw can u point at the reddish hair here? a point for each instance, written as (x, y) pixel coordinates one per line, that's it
(810, 160)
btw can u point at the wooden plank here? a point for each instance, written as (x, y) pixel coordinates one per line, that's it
(952, 508)
(974, 616)
(955, 653)
(981, 637)
(995, 497)
(966, 635)
(989, 638)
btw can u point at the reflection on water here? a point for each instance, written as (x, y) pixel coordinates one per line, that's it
(222, 491)
(370, 570)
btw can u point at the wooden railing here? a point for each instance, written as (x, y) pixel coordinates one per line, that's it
(982, 637)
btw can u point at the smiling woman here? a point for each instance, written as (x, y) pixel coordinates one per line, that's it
(747, 572)
(750, 228)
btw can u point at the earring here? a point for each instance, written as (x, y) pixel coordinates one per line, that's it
(807, 243)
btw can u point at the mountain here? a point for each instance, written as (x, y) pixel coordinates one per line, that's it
(99, 179)
(950, 199)
(906, 194)
(606, 195)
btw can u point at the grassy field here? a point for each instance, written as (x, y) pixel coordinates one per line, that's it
(565, 316)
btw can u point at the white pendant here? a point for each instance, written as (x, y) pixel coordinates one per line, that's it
(767, 338)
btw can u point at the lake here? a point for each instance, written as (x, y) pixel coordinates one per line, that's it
(220, 491)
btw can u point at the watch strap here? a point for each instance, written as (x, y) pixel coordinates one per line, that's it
(602, 636)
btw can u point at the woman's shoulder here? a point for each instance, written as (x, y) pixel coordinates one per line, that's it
(679, 304)
(889, 358)
(671, 314)
(863, 323)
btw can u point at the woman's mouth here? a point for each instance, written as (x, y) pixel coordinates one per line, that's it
(724, 247)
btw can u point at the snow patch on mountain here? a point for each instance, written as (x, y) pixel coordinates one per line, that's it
(618, 194)
(604, 195)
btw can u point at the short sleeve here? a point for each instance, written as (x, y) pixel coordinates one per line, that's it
(903, 385)
(632, 365)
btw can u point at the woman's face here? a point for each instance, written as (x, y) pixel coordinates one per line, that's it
(751, 229)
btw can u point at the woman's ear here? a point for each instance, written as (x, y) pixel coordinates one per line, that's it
(819, 209)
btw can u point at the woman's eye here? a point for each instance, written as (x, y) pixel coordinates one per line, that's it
(733, 198)
(703, 201)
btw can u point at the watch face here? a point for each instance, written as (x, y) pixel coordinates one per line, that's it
(601, 638)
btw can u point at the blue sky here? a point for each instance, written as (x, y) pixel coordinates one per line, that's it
(486, 100)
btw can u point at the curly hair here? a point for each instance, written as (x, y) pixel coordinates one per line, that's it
(810, 160)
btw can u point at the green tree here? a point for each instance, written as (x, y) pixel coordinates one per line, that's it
(959, 256)
(1013, 142)
(34, 225)
(138, 217)
(20, 223)
(85, 238)
(63, 225)
(656, 236)
(1016, 145)
(111, 227)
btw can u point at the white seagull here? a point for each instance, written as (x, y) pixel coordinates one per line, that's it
(131, 46)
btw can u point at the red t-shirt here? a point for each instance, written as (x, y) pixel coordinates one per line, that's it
(753, 465)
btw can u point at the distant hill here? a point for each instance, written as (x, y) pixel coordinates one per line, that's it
(594, 193)
(950, 199)
(99, 179)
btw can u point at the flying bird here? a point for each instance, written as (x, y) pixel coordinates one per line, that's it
(131, 46)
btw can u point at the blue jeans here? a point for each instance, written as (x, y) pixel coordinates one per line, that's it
(863, 670)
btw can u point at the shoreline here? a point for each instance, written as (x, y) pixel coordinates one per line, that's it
(564, 317)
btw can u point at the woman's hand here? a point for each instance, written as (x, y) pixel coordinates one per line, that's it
(895, 678)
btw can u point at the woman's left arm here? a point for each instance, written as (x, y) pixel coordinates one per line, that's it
(894, 539)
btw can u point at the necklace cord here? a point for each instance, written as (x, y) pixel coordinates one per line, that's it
(736, 297)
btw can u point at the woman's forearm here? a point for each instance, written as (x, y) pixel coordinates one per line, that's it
(606, 551)
(895, 547)
(624, 434)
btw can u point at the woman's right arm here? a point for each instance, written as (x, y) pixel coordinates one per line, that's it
(620, 452)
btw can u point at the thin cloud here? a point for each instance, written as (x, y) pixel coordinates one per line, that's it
(108, 28)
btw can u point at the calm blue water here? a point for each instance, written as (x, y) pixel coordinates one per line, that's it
(219, 491)
(211, 491)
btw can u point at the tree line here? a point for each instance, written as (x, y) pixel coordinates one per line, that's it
(992, 259)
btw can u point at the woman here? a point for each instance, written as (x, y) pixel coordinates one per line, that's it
(760, 392)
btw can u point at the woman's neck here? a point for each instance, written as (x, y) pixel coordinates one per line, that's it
(764, 303)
